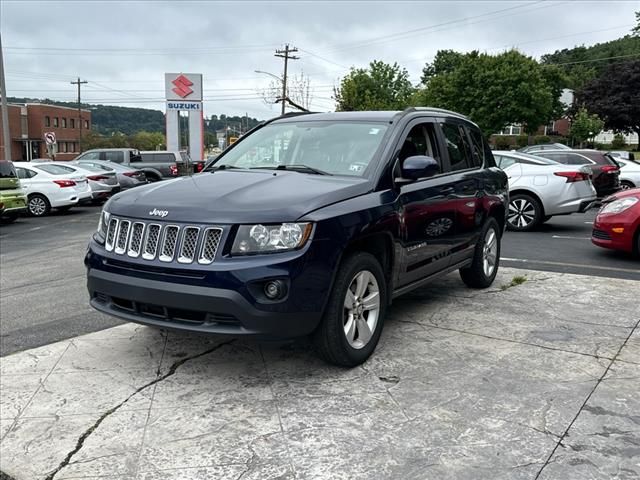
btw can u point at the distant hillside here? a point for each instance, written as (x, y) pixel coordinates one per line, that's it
(108, 119)
(578, 61)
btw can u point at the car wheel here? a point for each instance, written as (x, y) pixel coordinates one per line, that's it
(486, 258)
(39, 205)
(626, 185)
(546, 218)
(354, 316)
(152, 178)
(525, 213)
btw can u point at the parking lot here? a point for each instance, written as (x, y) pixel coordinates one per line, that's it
(533, 378)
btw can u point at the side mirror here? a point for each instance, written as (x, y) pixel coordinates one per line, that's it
(419, 166)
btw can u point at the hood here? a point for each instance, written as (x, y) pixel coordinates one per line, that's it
(223, 196)
(633, 192)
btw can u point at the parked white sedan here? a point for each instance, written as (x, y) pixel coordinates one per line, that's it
(50, 186)
(540, 189)
(629, 174)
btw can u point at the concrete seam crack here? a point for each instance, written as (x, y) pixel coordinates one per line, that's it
(584, 404)
(87, 433)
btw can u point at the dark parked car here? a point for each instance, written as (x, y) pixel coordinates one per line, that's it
(156, 165)
(310, 224)
(605, 171)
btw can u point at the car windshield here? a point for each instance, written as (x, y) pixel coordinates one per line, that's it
(337, 148)
(55, 169)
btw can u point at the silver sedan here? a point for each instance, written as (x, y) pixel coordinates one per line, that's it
(127, 177)
(540, 189)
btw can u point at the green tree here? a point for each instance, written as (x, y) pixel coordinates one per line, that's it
(379, 87)
(445, 61)
(497, 90)
(615, 96)
(585, 126)
(147, 140)
(636, 30)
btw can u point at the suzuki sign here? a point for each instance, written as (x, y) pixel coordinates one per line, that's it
(184, 94)
(183, 86)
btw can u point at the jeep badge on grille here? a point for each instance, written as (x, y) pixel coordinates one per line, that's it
(159, 213)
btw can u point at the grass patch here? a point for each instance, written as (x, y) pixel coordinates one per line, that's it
(515, 281)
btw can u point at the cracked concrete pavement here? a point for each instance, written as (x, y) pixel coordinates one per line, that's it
(535, 381)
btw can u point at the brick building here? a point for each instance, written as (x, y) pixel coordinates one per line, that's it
(28, 124)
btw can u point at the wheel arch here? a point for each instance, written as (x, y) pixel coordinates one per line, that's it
(531, 193)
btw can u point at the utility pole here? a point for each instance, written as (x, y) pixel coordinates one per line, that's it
(78, 83)
(6, 138)
(286, 55)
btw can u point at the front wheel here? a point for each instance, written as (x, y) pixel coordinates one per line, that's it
(626, 185)
(486, 258)
(354, 316)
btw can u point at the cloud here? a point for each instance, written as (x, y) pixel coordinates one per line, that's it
(129, 45)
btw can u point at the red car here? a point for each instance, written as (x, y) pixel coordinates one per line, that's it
(617, 225)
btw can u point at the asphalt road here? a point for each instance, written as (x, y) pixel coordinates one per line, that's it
(42, 282)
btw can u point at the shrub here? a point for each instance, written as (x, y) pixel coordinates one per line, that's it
(522, 140)
(618, 142)
(538, 139)
(502, 142)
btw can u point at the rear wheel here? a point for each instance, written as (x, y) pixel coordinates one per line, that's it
(626, 185)
(486, 258)
(353, 320)
(525, 213)
(38, 205)
(546, 218)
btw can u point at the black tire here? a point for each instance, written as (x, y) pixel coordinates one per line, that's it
(38, 205)
(8, 218)
(546, 218)
(475, 275)
(330, 337)
(65, 208)
(152, 177)
(626, 185)
(525, 213)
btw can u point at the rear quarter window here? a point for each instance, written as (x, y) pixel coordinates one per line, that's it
(7, 170)
(457, 146)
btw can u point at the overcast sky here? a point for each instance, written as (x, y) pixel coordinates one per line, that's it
(123, 48)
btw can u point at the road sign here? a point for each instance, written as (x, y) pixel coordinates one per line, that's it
(50, 138)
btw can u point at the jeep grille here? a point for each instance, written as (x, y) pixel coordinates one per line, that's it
(169, 243)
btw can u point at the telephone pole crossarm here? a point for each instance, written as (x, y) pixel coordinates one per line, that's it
(286, 54)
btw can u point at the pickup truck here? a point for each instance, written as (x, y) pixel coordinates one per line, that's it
(157, 165)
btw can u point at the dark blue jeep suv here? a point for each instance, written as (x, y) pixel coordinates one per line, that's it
(309, 224)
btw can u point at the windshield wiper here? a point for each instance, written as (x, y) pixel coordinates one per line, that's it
(298, 168)
(215, 168)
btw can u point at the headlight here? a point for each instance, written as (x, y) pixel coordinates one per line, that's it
(103, 223)
(270, 238)
(618, 206)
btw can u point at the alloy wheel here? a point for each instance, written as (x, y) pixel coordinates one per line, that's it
(522, 213)
(361, 309)
(625, 186)
(37, 206)
(490, 252)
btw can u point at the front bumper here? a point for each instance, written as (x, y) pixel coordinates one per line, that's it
(192, 308)
(603, 234)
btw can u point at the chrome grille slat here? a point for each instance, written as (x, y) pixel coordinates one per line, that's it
(210, 243)
(188, 244)
(169, 242)
(122, 237)
(111, 234)
(184, 244)
(135, 244)
(151, 241)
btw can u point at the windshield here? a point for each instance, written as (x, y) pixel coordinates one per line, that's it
(338, 148)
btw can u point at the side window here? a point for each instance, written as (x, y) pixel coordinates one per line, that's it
(164, 158)
(477, 147)
(558, 157)
(421, 140)
(89, 156)
(504, 162)
(114, 156)
(573, 159)
(21, 172)
(459, 150)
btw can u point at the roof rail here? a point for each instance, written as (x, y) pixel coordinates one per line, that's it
(406, 111)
